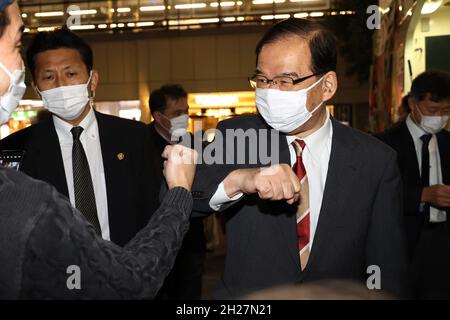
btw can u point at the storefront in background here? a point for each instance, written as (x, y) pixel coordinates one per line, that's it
(414, 37)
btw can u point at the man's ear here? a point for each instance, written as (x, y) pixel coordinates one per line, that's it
(411, 103)
(329, 85)
(157, 116)
(94, 81)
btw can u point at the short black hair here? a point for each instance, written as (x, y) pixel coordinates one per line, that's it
(322, 43)
(436, 83)
(57, 39)
(159, 97)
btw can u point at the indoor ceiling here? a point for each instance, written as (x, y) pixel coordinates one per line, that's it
(136, 15)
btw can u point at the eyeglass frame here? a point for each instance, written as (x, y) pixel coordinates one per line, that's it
(271, 81)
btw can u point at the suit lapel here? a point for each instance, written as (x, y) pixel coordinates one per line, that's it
(112, 169)
(49, 162)
(342, 173)
(408, 155)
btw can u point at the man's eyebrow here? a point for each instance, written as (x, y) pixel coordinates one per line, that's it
(290, 74)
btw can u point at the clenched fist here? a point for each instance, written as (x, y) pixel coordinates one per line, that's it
(179, 166)
(277, 182)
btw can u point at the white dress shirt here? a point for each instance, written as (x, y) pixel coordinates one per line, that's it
(316, 158)
(90, 140)
(416, 132)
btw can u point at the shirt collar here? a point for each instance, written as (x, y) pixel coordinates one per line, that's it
(415, 130)
(64, 128)
(316, 141)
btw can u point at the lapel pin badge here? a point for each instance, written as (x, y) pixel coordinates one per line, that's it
(120, 156)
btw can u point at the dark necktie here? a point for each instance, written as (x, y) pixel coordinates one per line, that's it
(82, 182)
(425, 177)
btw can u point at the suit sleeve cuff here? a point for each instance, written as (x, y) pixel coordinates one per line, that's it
(221, 198)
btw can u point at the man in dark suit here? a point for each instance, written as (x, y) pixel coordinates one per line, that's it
(423, 149)
(100, 162)
(170, 109)
(330, 208)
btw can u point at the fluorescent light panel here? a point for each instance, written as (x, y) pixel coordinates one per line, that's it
(49, 14)
(82, 27)
(82, 12)
(152, 8)
(190, 6)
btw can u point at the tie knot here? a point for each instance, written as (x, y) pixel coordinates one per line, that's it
(76, 132)
(298, 145)
(426, 138)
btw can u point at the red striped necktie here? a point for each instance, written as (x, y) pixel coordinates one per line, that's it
(303, 219)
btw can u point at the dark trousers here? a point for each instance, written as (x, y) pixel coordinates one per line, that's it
(430, 269)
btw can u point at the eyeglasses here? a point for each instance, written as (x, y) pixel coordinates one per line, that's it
(282, 82)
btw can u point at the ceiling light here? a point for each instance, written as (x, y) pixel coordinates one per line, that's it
(190, 6)
(430, 6)
(82, 12)
(145, 24)
(267, 1)
(49, 14)
(301, 15)
(82, 27)
(152, 8)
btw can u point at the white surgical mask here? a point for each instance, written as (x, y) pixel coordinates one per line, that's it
(285, 111)
(67, 102)
(11, 98)
(432, 124)
(178, 126)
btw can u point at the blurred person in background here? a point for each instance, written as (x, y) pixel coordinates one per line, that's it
(423, 149)
(170, 111)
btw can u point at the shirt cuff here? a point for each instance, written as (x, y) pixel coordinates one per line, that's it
(220, 198)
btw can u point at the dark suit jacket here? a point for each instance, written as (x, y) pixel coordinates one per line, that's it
(359, 225)
(194, 243)
(400, 139)
(128, 181)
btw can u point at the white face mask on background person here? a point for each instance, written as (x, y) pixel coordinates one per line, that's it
(432, 124)
(285, 111)
(178, 126)
(67, 102)
(11, 98)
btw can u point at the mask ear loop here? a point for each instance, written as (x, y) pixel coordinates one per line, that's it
(2, 66)
(6, 70)
(420, 112)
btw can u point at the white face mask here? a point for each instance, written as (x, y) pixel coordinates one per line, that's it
(178, 126)
(10, 100)
(67, 102)
(285, 111)
(432, 124)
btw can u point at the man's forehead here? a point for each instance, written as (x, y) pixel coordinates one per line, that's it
(444, 103)
(58, 57)
(177, 103)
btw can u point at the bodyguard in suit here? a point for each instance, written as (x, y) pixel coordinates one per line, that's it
(100, 162)
(331, 208)
(423, 149)
(170, 109)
